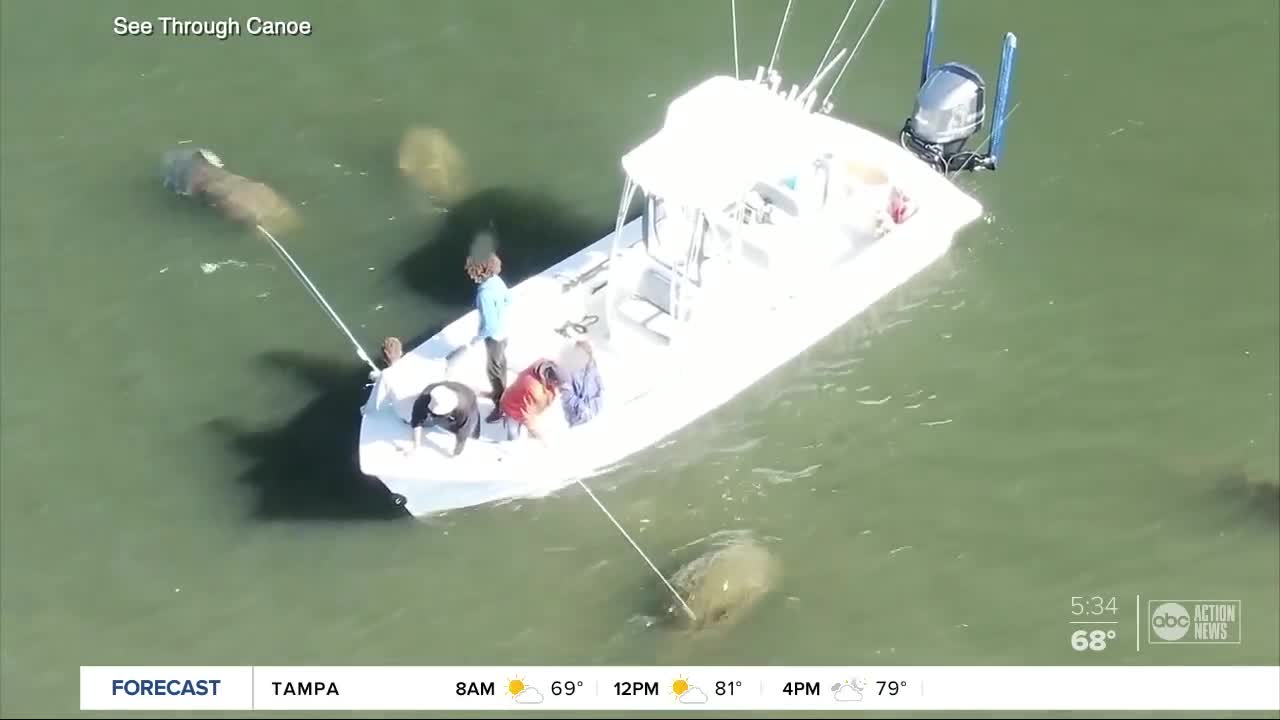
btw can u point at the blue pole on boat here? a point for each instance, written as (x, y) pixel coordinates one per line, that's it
(1004, 87)
(930, 38)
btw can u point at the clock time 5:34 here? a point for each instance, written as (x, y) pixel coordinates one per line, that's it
(1093, 606)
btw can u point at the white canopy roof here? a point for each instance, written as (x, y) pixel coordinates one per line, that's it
(720, 139)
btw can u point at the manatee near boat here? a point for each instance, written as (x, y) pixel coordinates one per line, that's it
(429, 160)
(722, 585)
(198, 173)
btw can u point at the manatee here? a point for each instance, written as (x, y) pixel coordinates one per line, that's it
(1256, 492)
(429, 160)
(198, 173)
(722, 585)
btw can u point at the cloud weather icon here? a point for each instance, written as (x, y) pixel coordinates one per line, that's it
(848, 692)
(529, 696)
(693, 696)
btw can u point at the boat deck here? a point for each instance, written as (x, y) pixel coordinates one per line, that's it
(538, 318)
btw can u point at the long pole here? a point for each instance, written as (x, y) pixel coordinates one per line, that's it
(733, 8)
(655, 569)
(777, 44)
(834, 38)
(930, 38)
(855, 52)
(315, 293)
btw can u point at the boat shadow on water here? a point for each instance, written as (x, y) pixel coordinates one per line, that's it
(307, 469)
(532, 229)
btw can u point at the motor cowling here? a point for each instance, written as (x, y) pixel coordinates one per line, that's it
(950, 109)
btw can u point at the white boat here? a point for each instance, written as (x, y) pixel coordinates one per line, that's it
(766, 226)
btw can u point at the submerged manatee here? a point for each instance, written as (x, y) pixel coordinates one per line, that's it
(1256, 493)
(431, 161)
(198, 173)
(722, 585)
(1250, 486)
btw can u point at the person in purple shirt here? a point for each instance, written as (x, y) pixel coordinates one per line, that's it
(583, 394)
(493, 299)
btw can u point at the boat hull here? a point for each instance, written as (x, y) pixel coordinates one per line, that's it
(523, 469)
(807, 280)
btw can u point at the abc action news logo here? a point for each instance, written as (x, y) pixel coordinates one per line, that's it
(1200, 622)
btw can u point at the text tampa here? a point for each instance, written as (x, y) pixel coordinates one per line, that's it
(304, 688)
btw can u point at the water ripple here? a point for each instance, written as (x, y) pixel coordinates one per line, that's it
(778, 477)
(742, 446)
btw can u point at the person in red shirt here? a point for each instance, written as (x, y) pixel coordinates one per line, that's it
(534, 390)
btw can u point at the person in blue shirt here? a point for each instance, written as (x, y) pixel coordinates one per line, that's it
(493, 299)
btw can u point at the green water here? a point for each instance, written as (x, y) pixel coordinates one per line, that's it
(1066, 398)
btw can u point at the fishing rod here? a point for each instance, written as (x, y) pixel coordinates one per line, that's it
(777, 44)
(733, 9)
(826, 101)
(374, 371)
(812, 87)
(834, 38)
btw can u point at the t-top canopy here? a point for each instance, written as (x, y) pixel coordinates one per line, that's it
(719, 140)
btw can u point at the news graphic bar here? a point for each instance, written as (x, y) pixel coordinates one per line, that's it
(565, 689)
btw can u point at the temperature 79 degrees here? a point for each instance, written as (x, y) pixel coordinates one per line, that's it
(890, 687)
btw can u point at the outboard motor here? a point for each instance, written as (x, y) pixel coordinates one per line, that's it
(949, 112)
(951, 107)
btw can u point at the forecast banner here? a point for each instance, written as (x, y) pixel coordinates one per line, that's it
(565, 689)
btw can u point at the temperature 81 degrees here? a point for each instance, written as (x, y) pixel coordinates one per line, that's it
(1091, 640)
(726, 687)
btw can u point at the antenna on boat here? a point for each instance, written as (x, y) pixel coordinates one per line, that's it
(834, 38)
(315, 293)
(826, 101)
(777, 44)
(733, 9)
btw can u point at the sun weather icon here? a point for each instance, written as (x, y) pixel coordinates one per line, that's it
(522, 693)
(848, 691)
(686, 693)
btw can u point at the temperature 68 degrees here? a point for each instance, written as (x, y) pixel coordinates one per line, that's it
(1096, 640)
